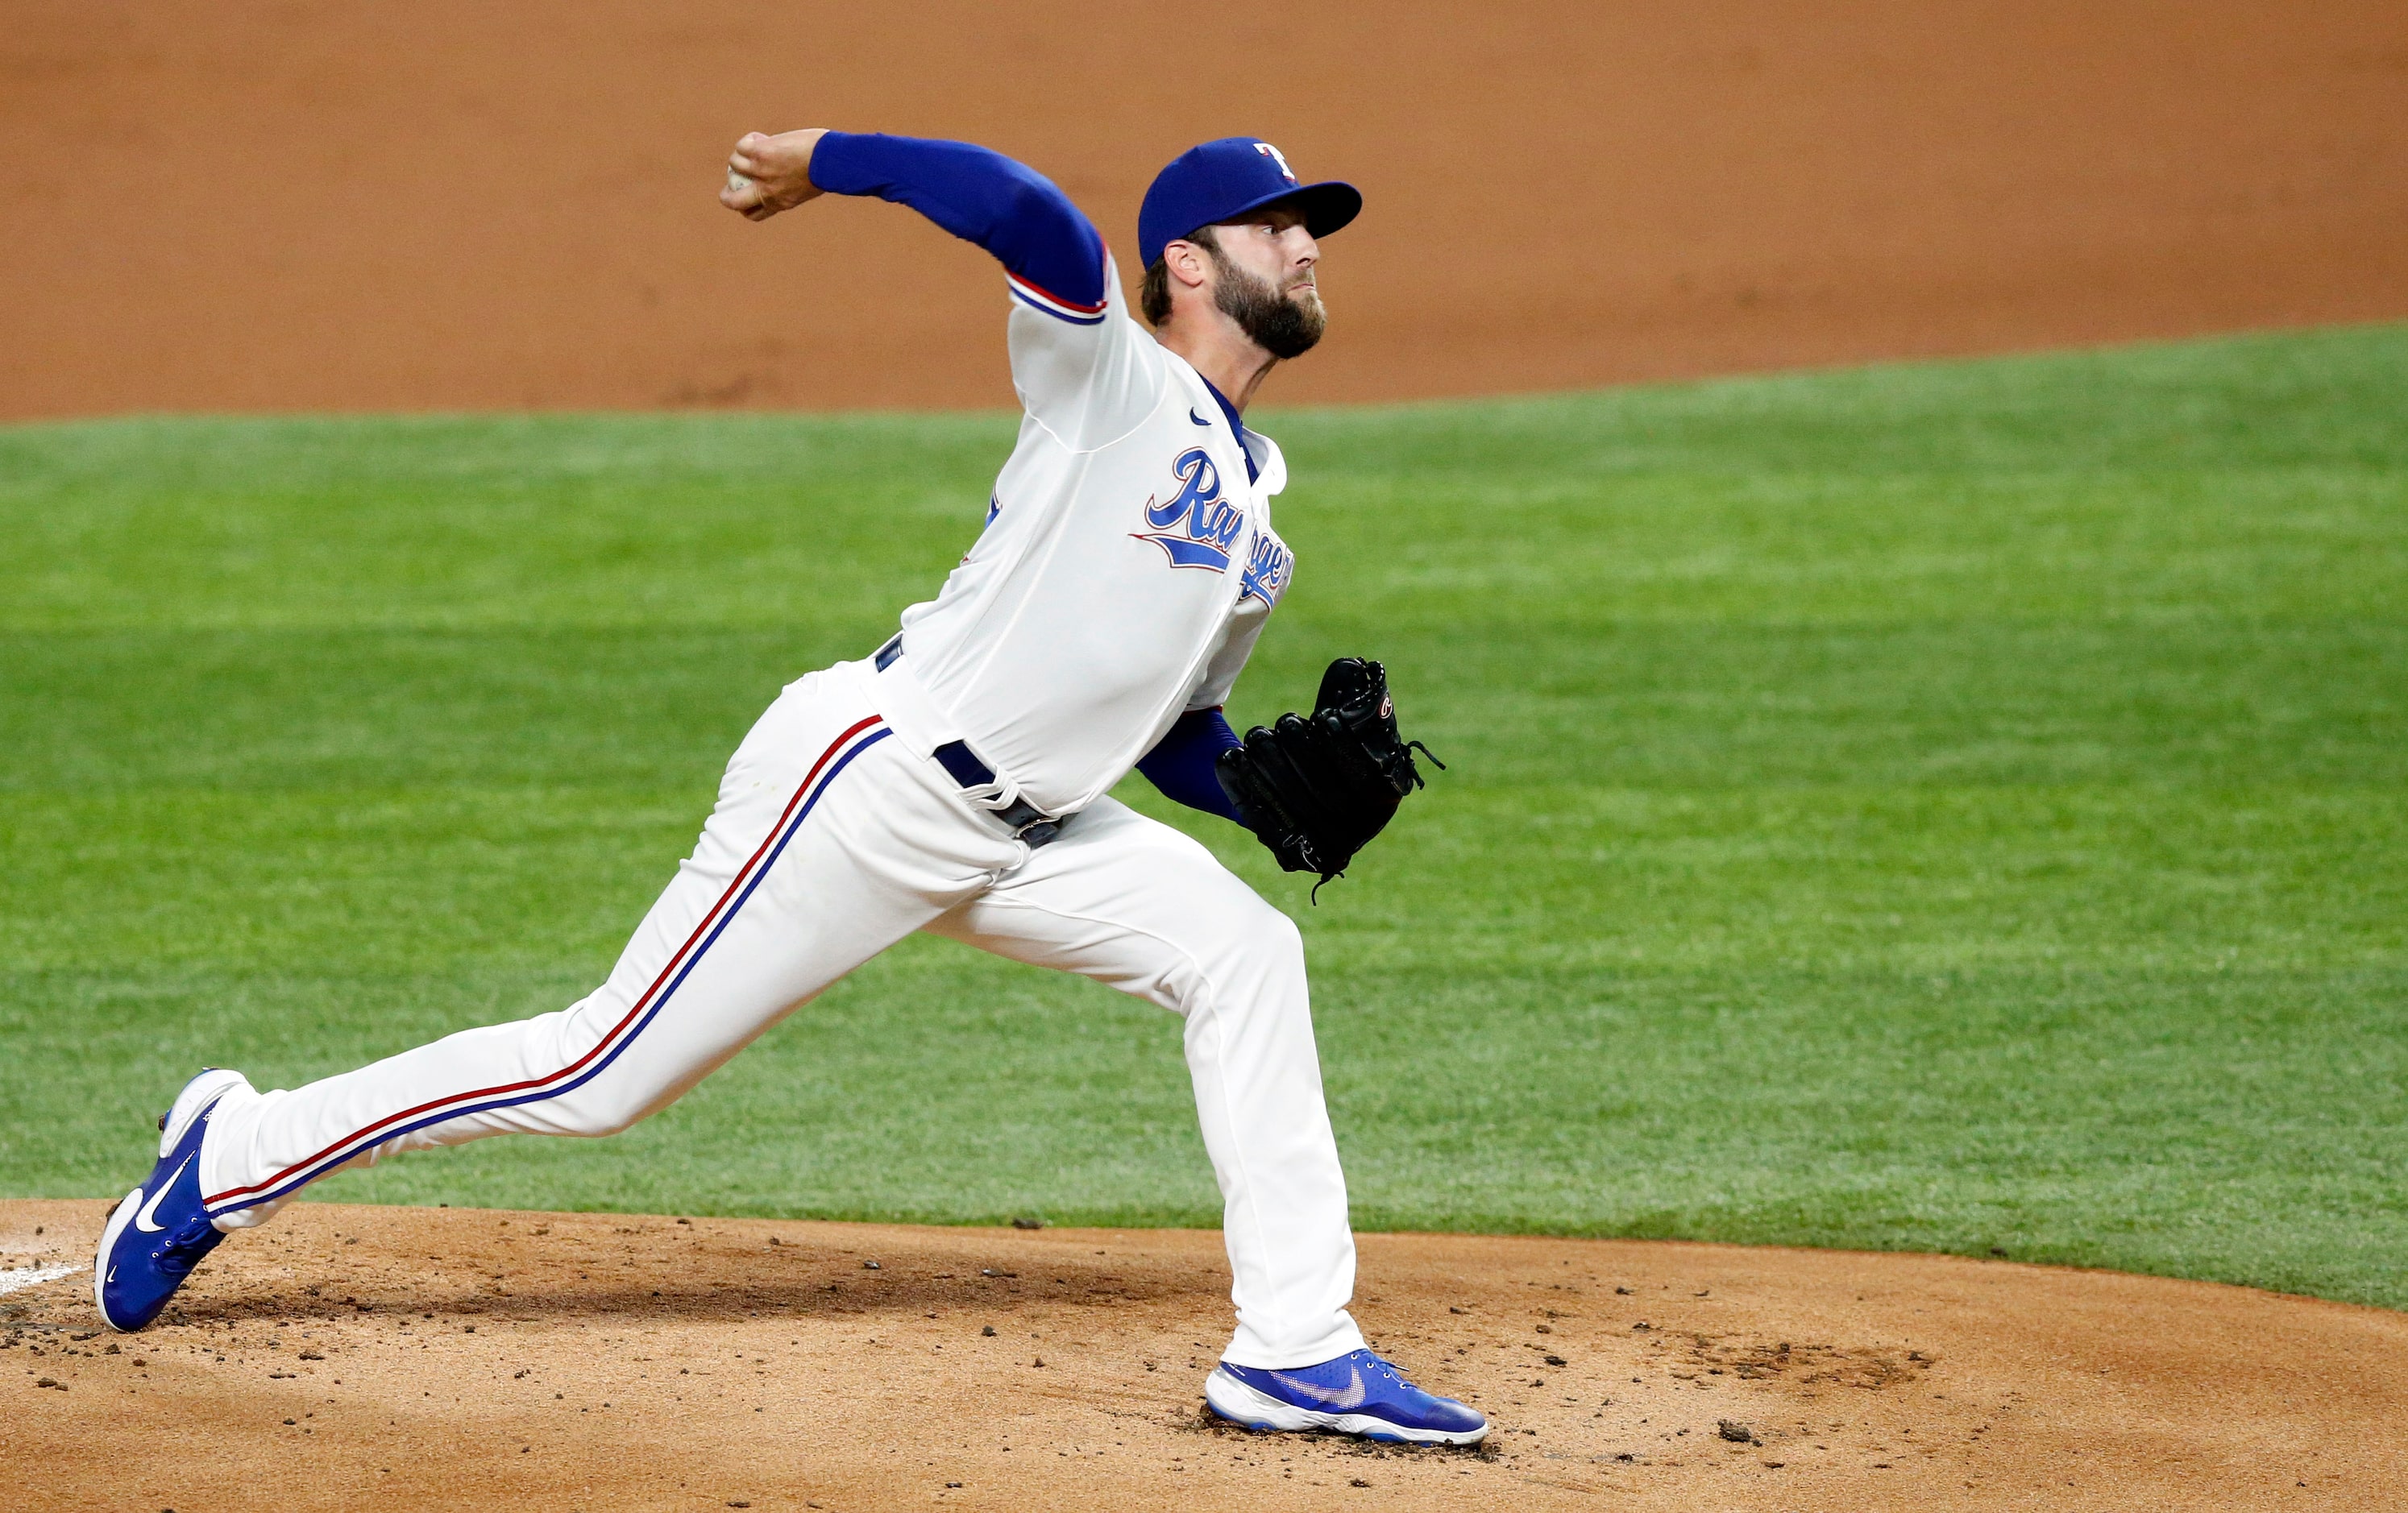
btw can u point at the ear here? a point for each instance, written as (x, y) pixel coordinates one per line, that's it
(1185, 263)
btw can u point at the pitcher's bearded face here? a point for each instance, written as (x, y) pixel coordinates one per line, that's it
(1283, 320)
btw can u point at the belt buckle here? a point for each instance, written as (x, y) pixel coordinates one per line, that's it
(1026, 820)
(1030, 823)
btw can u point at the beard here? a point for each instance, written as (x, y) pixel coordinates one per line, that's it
(1281, 324)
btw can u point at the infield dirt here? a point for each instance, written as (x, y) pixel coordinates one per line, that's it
(298, 204)
(350, 1356)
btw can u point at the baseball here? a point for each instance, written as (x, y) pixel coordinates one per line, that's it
(737, 181)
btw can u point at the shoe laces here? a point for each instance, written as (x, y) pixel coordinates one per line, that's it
(186, 1247)
(1381, 1366)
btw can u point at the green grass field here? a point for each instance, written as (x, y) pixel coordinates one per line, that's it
(1946, 807)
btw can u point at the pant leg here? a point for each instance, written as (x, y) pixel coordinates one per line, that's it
(828, 843)
(1133, 903)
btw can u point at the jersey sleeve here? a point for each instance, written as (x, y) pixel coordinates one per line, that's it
(1269, 566)
(1013, 211)
(1081, 366)
(1227, 660)
(1182, 763)
(1090, 380)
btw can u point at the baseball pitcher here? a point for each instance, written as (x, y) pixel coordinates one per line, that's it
(957, 780)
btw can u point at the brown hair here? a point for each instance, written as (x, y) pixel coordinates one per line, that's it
(1154, 296)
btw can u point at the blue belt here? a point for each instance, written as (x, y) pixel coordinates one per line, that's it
(1028, 823)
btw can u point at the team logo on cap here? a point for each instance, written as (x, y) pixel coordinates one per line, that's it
(1195, 527)
(1273, 154)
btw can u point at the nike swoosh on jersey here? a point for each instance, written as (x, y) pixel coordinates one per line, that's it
(1349, 1396)
(143, 1216)
(1197, 419)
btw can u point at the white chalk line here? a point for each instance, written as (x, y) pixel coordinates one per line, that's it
(15, 1280)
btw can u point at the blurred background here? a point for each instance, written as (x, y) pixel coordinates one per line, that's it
(290, 204)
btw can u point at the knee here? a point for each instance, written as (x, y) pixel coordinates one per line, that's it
(1255, 949)
(632, 1083)
(608, 1121)
(1283, 940)
(593, 1111)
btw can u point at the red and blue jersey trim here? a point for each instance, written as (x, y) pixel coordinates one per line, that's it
(647, 1007)
(1016, 213)
(1038, 298)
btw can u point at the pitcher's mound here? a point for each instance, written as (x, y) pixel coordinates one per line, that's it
(350, 1357)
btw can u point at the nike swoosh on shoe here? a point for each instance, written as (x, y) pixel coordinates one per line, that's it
(1349, 1396)
(148, 1212)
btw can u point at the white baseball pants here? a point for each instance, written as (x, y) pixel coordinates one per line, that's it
(833, 837)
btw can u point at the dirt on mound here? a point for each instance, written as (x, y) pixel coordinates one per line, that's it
(304, 204)
(350, 1356)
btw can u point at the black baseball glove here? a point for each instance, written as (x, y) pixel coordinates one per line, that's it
(1316, 789)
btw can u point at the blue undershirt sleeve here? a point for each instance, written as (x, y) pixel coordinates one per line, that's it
(980, 195)
(1181, 763)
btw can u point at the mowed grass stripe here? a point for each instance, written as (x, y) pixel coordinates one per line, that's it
(1956, 806)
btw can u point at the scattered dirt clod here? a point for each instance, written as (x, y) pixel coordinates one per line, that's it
(744, 1324)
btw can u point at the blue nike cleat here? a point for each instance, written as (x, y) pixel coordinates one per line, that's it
(1357, 1393)
(160, 1232)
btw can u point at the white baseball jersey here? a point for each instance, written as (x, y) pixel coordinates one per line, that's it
(1127, 566)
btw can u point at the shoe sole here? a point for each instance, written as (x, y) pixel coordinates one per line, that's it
(188, 1107)
(119, 1218)
(1246, 1408)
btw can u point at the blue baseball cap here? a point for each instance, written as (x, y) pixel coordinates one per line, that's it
(1220, 180)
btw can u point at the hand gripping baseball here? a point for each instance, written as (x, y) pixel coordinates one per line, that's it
(1316, 788)
(770, 174)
